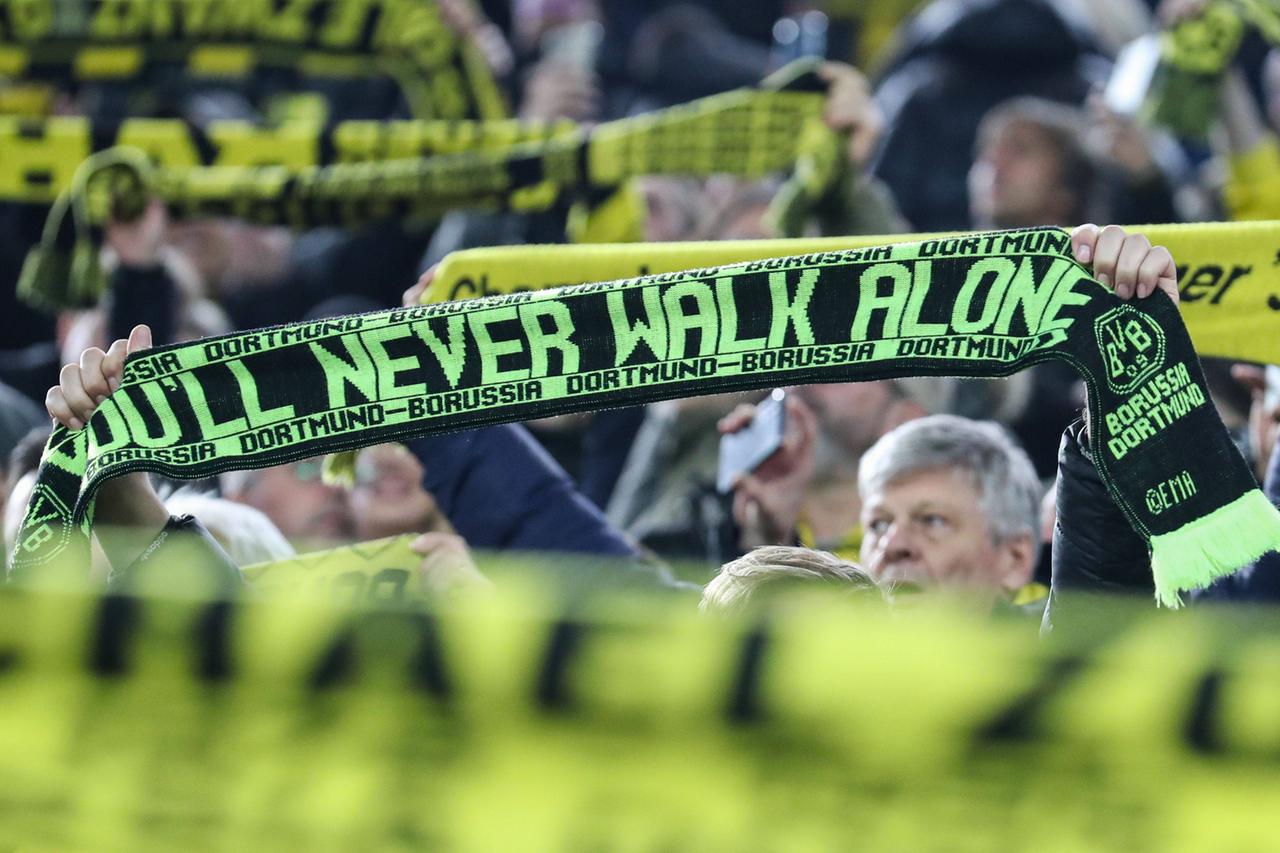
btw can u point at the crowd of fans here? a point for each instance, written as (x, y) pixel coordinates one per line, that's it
(976, 114)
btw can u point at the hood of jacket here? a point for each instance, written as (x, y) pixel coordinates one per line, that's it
(1007, 35)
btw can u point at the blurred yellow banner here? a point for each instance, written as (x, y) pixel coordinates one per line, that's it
(147, 724)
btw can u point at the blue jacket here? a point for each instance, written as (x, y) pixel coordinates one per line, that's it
(500, 490)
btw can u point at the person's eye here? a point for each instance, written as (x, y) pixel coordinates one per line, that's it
(933, 521)
(878, 526)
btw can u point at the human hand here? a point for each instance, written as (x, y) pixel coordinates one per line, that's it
(127, 501)
(82, 387)
(560, 90)
(412, 297)
(1264, 419)
(851, 109)
(387, 498)
(1171, 12)
(138, 243)
(767, 502)
(1127, 263)
(468, 21)
(447, 568)
(1120, 138)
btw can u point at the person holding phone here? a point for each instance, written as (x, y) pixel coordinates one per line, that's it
(948, 501)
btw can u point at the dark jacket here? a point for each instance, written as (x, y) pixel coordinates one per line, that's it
(957, 60)
(1095, 551)
(500, 490)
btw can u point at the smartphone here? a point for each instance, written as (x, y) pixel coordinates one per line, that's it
(743, 451)
(1132, 75)
(1271, 397)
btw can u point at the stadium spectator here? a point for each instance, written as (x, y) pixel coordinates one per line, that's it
(956, 60)
(948, 501)
(308, 511)
(1031, 167)
(834, 425)
(917, 463)
(763, 574)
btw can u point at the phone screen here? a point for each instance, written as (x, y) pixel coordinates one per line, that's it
(743, 451)
(1131, 76)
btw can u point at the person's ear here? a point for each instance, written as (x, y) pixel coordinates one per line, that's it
(1017, 560)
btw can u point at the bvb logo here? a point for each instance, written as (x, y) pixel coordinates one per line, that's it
(1132, 347)
(46, 529)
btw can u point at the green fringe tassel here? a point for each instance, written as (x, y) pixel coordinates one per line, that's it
(1224, 541)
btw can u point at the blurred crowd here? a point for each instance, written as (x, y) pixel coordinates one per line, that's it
(959, 114)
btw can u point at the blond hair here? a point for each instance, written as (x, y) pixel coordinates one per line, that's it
(764, 572)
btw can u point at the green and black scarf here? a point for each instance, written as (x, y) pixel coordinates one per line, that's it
(988, 305)
(68, 41)
(750, 133)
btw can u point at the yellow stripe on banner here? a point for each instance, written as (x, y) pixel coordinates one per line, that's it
(221, 61)
(1228, 273)
(99, 63)
(318, 64)
(13, 60)
(39, 160)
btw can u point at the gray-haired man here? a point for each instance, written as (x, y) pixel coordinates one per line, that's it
(948, 501)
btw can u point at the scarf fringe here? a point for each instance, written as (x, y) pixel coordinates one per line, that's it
(1214, 546)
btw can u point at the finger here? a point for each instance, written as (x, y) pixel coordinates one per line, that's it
(91, 378)
(413, 296)
(747, 485)
(846, 107)
(580, 83)
(751, 521)
(1133, 251)
(828, 72)
(796, 434)
(574, 106)
(1083, 240)
(1106, 253)
(1096, 104)
(1156, 265)
(443, 542)
(113, 363)
(426, 543)
(741, 416)
(1250, 376)
(805, 419)
(73, 392)
(740, 501)
(862, 142)
(139, 339)
(56, 405)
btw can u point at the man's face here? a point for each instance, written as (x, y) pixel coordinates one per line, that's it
(929, 529)
(388, 498)
(852, 413)
(1016, 180)
(295, 498)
